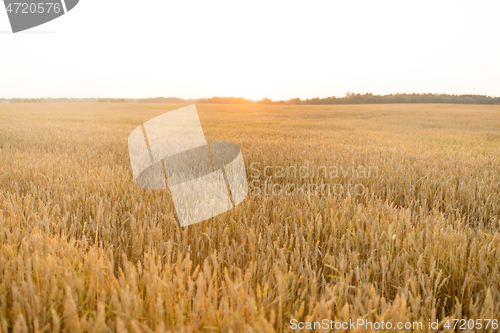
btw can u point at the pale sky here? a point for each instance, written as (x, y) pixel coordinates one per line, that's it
(255, 49)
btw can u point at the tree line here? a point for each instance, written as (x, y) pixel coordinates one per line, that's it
(349, 98)
(368, 98)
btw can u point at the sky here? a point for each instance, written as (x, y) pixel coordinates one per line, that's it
(255, 49)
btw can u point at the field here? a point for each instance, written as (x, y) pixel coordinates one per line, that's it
(416, 238)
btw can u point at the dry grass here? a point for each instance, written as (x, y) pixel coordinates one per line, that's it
(84, 249)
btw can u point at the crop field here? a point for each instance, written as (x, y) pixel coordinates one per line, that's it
(379, 212)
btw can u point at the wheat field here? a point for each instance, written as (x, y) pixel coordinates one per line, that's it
(83, 249)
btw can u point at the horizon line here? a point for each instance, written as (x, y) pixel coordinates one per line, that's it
(348, 95)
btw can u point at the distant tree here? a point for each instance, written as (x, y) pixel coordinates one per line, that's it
(266, 101)
(112, 100)
(294, 101)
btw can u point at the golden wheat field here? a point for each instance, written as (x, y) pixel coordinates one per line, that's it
(83, 249)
